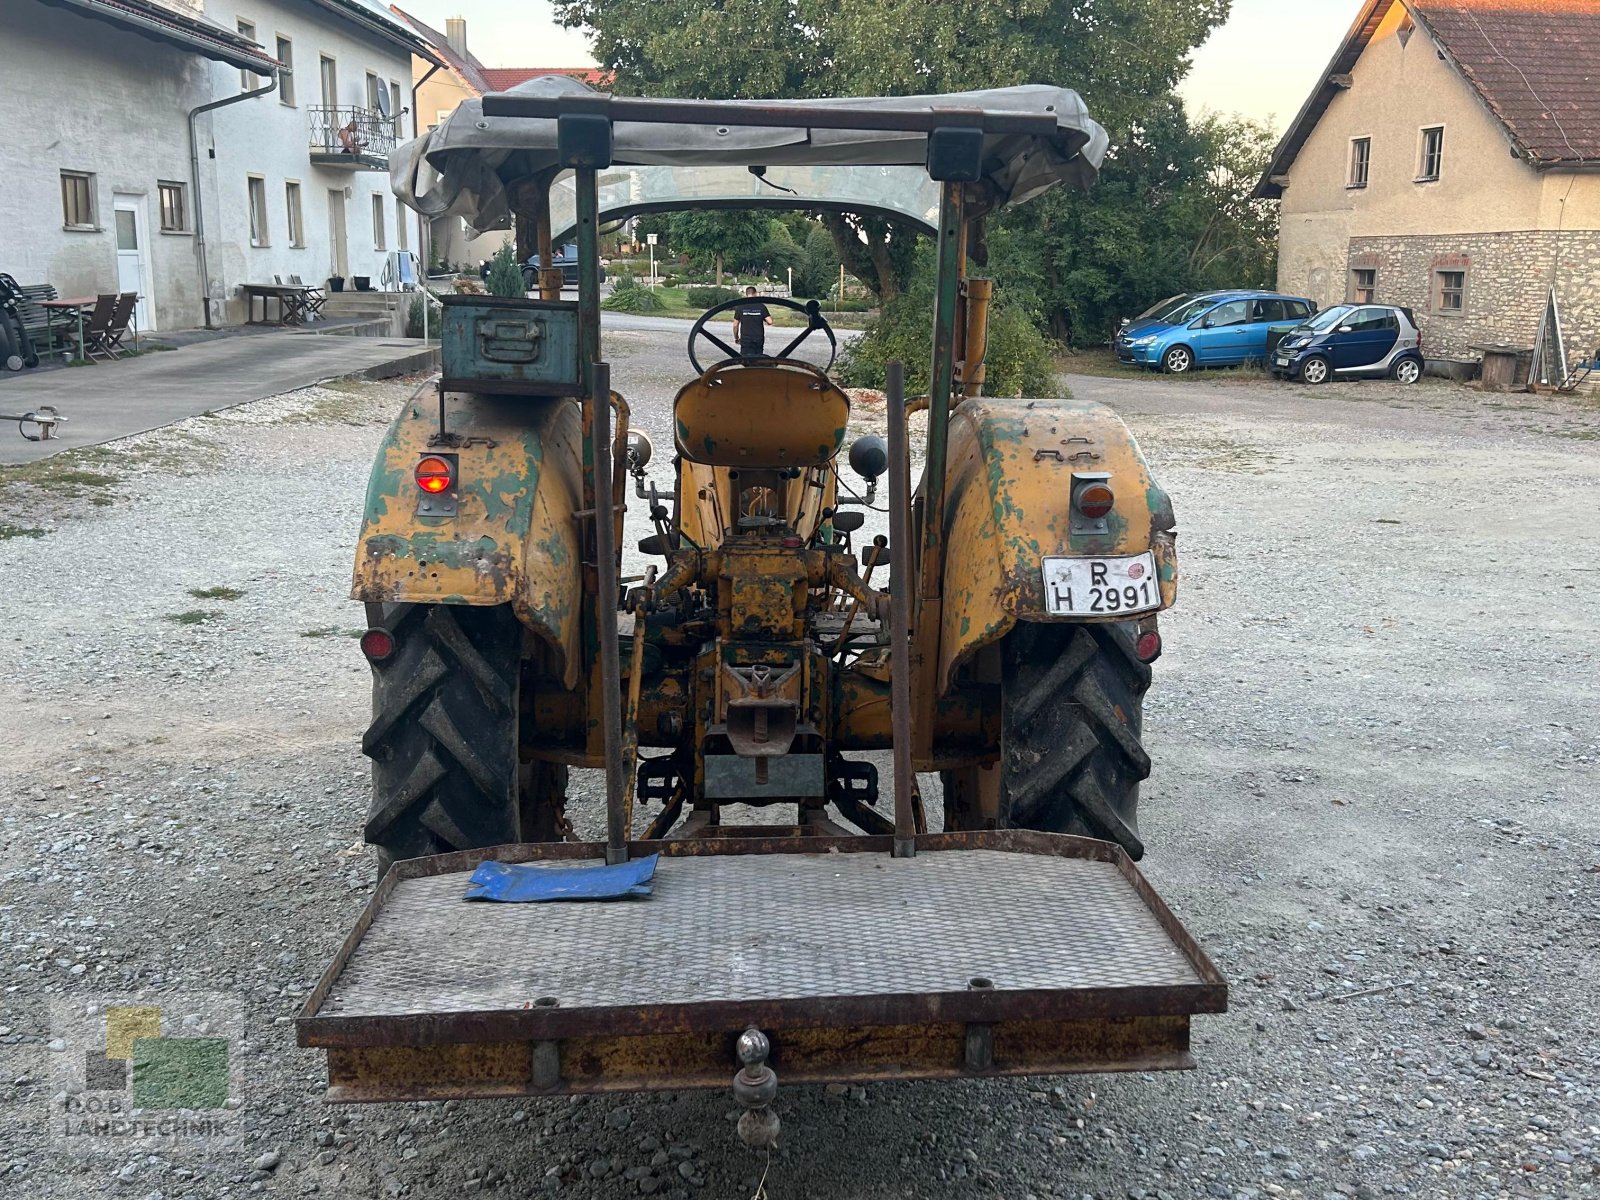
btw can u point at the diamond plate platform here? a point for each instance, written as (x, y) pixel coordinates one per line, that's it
(976, 927)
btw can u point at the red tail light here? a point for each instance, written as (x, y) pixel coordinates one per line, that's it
(377, 644)
(434, 475)
(1148, 647)
(1094, 500)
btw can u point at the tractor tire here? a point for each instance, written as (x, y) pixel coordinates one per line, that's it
(444, 734)
(1071, 761)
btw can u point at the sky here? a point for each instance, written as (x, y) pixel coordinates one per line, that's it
(1262, 62)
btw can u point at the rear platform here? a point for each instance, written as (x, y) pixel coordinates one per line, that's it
(985, 954)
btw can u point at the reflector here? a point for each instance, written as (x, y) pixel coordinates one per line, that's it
(377, 644)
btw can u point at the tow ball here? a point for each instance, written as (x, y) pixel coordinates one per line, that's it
(755, 1085)
(44, 418)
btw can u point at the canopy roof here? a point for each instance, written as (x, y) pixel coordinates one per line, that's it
(466, 166)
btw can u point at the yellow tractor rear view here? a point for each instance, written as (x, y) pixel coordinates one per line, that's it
(998, 631)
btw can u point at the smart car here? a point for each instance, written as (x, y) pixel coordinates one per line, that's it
(1216, 329)
(1352, 340)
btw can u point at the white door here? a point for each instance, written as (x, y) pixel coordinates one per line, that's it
(338, 251)
(133, 255)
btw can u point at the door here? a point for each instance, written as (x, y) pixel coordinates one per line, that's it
(133, 255)
(1264, 314)
(1369, 341)
(338, 251)
(1222, 334)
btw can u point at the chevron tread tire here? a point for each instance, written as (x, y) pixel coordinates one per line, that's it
(444, 733)
(1071, 758)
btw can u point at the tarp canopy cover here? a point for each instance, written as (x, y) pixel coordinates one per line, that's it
(466, 166)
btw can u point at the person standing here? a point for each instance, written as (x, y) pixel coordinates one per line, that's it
(750, 321)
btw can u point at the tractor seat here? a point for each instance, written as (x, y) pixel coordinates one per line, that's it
(763, 414)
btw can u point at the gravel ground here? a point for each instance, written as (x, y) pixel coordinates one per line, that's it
(1375, 803)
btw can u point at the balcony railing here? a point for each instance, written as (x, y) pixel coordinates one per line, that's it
(359, 136)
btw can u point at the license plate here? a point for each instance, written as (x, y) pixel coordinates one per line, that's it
(1282, 360)
(1078, 587)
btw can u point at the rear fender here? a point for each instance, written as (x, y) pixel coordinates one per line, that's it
(514, 537)
(1007, 508)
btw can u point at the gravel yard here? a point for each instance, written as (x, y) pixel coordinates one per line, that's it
(1376, 803)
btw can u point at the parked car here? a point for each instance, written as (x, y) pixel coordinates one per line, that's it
(1216, 329)
(1352, 340)
(1170, 304)
(566, 257)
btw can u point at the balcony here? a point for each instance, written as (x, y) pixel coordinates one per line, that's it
(356, 139)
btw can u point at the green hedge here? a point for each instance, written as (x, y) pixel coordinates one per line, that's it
(710, 297)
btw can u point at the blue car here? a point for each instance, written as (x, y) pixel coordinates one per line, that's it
(1216, 329)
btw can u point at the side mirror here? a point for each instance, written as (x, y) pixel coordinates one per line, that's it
(869, 456)
(1346, 329)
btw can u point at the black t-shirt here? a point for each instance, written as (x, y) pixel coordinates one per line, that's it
(751, 318)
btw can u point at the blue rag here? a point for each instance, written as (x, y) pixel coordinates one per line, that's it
(521, 884)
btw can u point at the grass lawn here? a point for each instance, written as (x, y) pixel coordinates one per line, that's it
(1102, 361)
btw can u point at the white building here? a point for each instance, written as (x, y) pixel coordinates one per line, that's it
(137, 160)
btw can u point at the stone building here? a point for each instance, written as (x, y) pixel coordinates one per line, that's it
(463, 77)
(1446, 161)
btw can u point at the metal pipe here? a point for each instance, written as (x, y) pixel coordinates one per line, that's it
(940, 388)
(605, 610)
(424, 226)
(194, 174)
(776, 115)
(900, 567)
(976, 334)
(549, 273)
(630, 731)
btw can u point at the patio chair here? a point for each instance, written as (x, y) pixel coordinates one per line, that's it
(96, 326)
(315, 297)
(110, 339)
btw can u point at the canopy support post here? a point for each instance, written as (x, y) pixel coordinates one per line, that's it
(941, 387)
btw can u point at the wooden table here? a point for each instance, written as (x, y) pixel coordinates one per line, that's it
(294, 302)
(74, 304)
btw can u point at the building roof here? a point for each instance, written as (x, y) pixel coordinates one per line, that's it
(1529, 61)
(503, 79)
(191, 33)
(376, 19)
(466, 67)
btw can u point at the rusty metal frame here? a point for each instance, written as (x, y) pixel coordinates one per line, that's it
(974, 1006)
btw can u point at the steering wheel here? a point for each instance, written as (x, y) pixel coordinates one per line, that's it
(814, 321)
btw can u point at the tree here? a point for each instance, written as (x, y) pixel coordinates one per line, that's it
(504, 277)
(735, 235)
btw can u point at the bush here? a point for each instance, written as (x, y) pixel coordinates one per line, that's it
(710, 297)
(414, 316)
(630, 296)
(505, 274)
(1019, 360)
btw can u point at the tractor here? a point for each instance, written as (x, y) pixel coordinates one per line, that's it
(998, 633)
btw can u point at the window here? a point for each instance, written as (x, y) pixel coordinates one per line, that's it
(400, 220)
(1360, 161)
(394, 108)
(330, 82)
(1450, 291)
(77, 200)
(247, 79)
(174, 199)
(376, 96)
(1364, 285)
(377, 221)
(1235, 312)
(286, 73)
(1296, 310)
(258, 210)
(1432, 158)
(291, 202)
(1369, 320)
